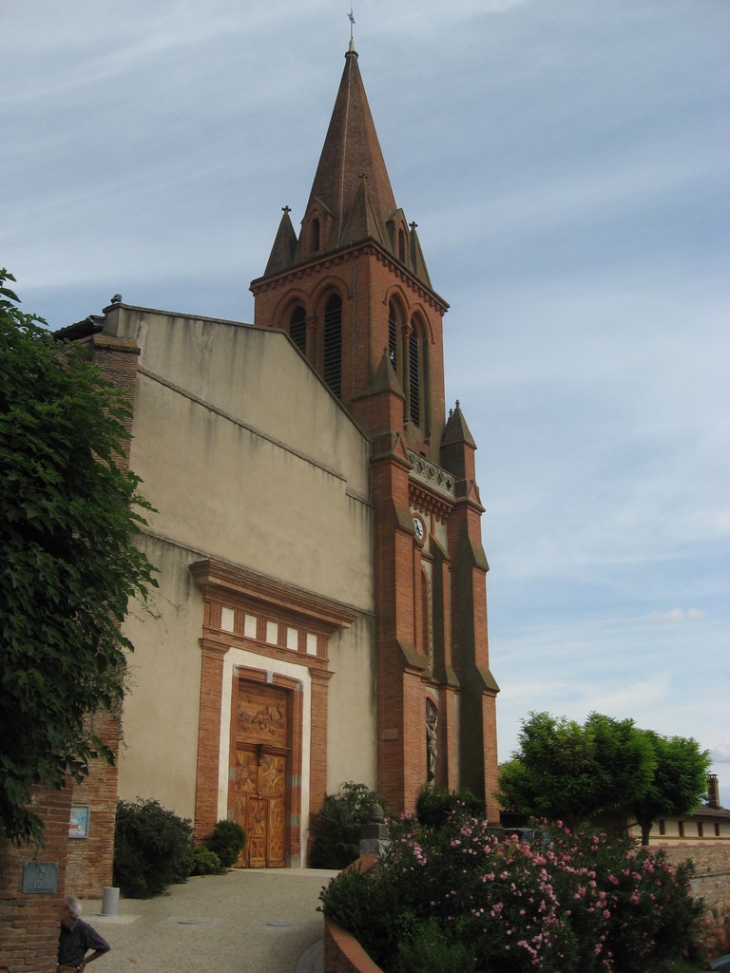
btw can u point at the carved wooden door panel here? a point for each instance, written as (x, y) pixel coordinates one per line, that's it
(272, 783)
(256, 827)
(257, 793)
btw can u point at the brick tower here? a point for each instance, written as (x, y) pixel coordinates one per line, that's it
(353, 293)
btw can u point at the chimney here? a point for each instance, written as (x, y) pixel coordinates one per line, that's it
(713, 791)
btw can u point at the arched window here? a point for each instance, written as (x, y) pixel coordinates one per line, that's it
(298, 328)
(393, 336)
(333, 344)
(417, 393)
(414, 374)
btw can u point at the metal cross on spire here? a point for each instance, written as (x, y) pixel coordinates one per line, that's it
(351, 18)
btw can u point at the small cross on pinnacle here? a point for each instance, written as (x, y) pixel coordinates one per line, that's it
(413, 225)
(286, 209)
(351, 18)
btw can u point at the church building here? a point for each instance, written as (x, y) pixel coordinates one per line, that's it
(321, 614)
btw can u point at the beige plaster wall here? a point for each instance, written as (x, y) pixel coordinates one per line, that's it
(248, 458)
(691, 836)
(160, 725)
(264, 468)
(352, 707)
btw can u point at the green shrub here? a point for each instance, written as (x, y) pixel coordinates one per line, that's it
(428, 948)
(367, 908)
(227, 842)
(206, 862)
(152, 848)
(336, 829)
(435, 808)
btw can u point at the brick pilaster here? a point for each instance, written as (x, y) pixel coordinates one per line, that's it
(209, 734)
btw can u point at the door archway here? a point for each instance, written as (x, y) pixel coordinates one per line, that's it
(258, 786)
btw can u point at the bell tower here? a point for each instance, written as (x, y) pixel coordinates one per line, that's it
(353, 292)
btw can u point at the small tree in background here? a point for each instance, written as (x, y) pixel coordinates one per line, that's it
(678, 784)
(68, 561)
(606, 767)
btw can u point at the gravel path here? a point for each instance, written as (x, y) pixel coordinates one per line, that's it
(247, 921)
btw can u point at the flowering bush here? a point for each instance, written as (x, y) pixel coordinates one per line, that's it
(562, 903)
(716, 934)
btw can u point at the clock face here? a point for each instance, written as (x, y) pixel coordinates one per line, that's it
(419, 528)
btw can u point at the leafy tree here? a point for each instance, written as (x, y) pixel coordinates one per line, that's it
(565, 770)
(678, 784)
(68, 561)
(606, 767)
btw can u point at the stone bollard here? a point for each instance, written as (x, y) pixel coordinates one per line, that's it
(110, 902)
(373, 840)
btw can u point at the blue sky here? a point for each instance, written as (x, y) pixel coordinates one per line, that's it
(567, 164)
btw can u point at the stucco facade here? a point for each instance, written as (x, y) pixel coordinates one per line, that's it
(250, 462)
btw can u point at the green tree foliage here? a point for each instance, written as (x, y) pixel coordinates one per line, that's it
(605, 767)
(678, 784)
(68, 561)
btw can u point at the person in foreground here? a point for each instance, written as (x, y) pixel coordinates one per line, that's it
(77, 938)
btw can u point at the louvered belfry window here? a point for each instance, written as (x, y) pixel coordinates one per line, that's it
(414, 375)
(298, 328)
(333, 345)
(393, 336)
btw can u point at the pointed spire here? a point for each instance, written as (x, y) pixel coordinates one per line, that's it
(456, 430)
(385, 378)
(362, 221)
(351, 147)
(418, 262)
(351, 200)
(285, 245)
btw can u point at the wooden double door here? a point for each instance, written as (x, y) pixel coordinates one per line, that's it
(258, 778)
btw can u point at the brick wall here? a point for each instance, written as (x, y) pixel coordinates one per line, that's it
(30, 923)
(712, 871)
(90, 860)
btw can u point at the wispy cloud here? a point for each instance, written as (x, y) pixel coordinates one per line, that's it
(676, 616)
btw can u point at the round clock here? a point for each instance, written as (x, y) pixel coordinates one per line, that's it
(419, 528)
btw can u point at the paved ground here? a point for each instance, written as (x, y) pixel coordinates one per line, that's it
(247, 921)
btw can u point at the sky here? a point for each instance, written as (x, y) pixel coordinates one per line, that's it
(567, 163)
